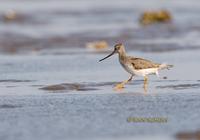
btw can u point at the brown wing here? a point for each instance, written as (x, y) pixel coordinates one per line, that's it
(140, 63)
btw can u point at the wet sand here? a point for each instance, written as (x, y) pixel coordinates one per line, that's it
(53, 87)
(49, 97)
(72, 24)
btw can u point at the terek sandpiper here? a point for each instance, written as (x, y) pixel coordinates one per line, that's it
(136, 66)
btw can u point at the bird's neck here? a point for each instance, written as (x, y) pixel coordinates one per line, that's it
(122, 55)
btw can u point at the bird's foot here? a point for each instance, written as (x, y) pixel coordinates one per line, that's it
(119, 86)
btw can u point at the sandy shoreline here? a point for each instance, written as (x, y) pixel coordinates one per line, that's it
(83, 104)
(53, 87)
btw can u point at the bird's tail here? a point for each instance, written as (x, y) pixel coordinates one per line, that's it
(165, 66)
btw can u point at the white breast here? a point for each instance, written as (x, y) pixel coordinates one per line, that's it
(130, 69)
(145, 72)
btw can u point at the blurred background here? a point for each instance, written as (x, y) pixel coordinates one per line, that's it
(32, 26)
(53, 87)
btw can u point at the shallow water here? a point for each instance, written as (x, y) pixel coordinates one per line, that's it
(71, 24)
(52, 87)
(75, 99)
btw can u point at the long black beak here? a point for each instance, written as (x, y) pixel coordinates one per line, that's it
(108, 56)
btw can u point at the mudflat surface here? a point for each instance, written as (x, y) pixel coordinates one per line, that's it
(53, 87)
(51, 97)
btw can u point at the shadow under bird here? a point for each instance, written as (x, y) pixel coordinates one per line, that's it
(136, 66)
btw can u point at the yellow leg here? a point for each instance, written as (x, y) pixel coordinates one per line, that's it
(121, 85)
(145, 83)
(145, 80)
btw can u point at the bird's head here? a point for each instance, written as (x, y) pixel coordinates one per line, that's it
(118, 48)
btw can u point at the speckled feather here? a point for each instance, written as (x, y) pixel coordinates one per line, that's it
(140, 63)
(135, 65)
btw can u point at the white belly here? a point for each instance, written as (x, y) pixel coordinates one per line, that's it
(130, 69)
(145, 72)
